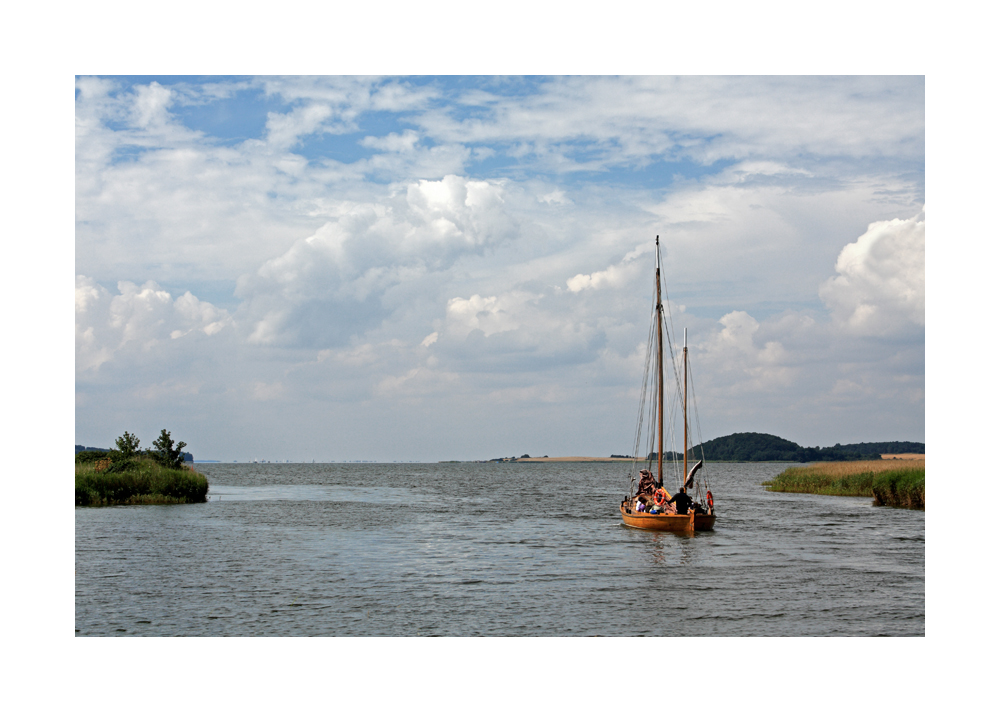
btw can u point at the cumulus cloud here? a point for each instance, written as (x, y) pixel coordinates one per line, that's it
(740, 361)
(879, 288)
(517, 331)
(613, 276)
(487, 314)
(331, 285)
(137, 318)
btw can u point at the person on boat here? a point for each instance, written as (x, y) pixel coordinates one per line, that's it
(682, 500)
(646, 483)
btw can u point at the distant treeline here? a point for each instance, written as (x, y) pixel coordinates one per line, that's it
(188, 457)
(760, 447)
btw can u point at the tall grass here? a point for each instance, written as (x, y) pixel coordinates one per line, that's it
(897, 483)
(900, 488)
(140, 480)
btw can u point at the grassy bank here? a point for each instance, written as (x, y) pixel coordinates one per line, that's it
(893, 483)
(137, 480)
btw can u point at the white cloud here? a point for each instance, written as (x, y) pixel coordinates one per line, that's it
(556, 197)
(746, 170)
(490, 315)
(138, 318)
(285, 130)
(331, 285)
(879, 289)
(151, 106)
(613, 276)
(393, 142)
(743, 364)
(637, 119)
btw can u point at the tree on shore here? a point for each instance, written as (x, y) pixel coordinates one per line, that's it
(165, 451)
(127, 444)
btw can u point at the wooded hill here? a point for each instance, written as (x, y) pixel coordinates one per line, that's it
(760, 447)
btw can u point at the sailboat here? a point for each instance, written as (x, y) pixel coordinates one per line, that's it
(645, 509)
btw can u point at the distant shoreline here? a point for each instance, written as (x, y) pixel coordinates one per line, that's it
(575, 458)
(584, 458)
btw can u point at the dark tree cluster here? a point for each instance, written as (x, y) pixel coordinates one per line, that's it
(756, 447)
(119, 458)
(761, 447)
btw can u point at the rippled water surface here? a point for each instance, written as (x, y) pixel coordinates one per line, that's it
(490, 549)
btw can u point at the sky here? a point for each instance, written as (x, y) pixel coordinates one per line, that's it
(432, 268)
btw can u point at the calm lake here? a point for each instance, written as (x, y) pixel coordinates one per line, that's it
(492, 549)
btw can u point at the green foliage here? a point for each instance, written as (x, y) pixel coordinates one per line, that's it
(127, 445)
(749, 447)
(143, 481)
(759, 447)
(900, 488)
(165, 451)
(89, 456)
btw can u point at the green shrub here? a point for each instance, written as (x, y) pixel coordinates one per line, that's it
(87, 456)
(138, 480)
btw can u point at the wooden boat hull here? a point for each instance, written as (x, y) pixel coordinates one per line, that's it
(689, 522)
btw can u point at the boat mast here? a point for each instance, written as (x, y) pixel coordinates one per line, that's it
(659, 364)
(685, 403)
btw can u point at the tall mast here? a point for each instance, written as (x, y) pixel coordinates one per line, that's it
(659, 364)
(685, 402)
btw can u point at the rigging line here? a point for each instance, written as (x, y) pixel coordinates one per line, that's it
(639, 420)
(668, 327)
(673, 435)
(654, 400)
(642, 399)
(697, 421)
(670, 318)
(642, 408)
(673, 402)
(673, 356)
(651, 431)
(679, 474)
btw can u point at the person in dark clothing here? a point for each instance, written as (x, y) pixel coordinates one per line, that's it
(646, 483)
(682, 500)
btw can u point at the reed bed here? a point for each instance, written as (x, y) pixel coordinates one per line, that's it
(900, 488)
(898, 483)
(141, 481)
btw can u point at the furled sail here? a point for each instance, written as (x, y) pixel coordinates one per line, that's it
(689, 480)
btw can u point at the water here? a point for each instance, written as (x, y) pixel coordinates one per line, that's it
(492, 549)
